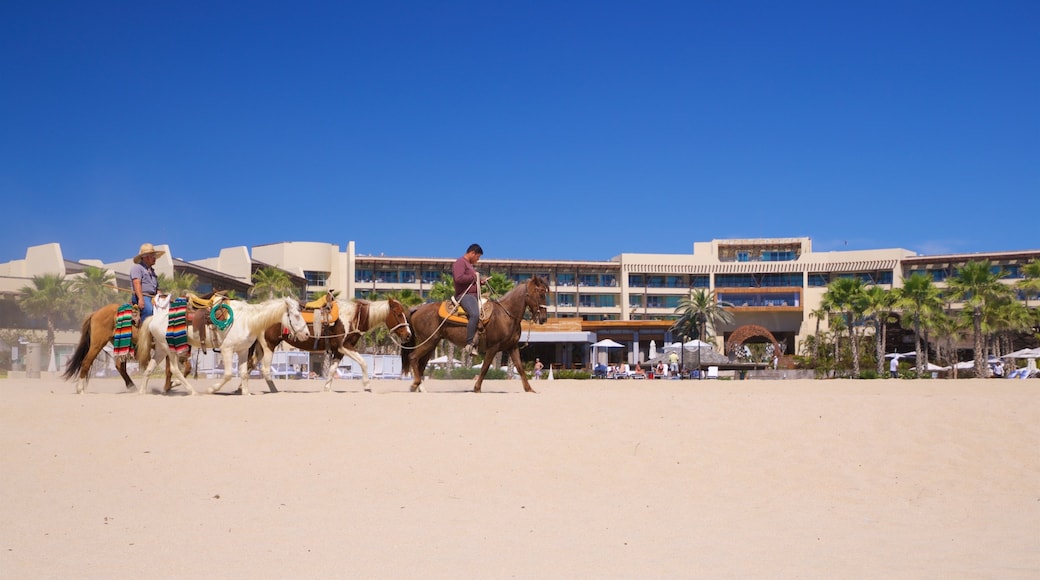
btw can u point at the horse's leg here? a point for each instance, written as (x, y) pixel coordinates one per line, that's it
(176, 371)
(243, 372)
(422, 358)
(265, 365)
(489, 357)
(361, 361)
(329, 366)
(514, 355)
(88, 361)
(229, 373)
(153, 362)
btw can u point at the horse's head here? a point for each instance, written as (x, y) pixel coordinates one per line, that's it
(397, 320)
(293, 319)
(537, 291)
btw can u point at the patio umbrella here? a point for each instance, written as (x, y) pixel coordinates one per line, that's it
(605, 343)
(653, 349)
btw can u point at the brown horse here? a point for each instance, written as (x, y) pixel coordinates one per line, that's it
(501, 332)
(337, 340)
(98, 329)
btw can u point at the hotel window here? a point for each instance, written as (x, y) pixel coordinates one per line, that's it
(316, 278)
(565, 279)
(431, 276)
(734, 281)
(407, 276)
(743, 257)
(781, 280)
(655, 282)
(362, 275)
(700, 282)
(675, 281)
(671, 301)
(588, 280)
(655, 302)
(636, 280)
(608, 280)
(588, 301)
(387, 277)
(635, 301)
(818, 280)
(777, 256)
(564, 299)
(607, 301)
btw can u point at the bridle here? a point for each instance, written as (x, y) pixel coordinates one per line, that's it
(289, 319)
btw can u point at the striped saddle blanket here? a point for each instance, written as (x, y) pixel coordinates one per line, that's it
(177, 328)
(123, 338)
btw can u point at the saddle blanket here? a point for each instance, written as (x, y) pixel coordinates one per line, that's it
(177, 328)
(122, 339)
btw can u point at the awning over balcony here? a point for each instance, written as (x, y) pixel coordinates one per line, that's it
(557, 336)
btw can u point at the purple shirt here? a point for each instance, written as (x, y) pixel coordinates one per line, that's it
(465, 277)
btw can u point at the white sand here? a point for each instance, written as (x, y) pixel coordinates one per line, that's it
(587, 479)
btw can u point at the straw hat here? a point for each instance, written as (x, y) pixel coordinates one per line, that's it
(145, 250)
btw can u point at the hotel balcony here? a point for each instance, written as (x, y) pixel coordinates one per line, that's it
(762, 299)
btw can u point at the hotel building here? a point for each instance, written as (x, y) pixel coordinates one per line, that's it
(773, 284)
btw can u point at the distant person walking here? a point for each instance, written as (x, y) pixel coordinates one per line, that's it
(538, 368)
(893, 367)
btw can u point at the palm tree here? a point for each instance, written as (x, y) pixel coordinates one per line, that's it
(94, 288)
(918, 297)
(848, 297)
(1030, 285)
(819, 314)
(49, 297)
(879, 306)
(701, 314)
(979, 287)
(271, 283)
(949, 328)
(182, 283)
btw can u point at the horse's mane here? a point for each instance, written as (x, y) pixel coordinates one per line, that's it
(264, 314)
(378, 310)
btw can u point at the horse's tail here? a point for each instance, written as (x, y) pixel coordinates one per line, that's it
(144, 343)
(76, 362)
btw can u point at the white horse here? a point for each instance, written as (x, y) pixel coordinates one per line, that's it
(356, 318)
(249, 321)
(155, 329)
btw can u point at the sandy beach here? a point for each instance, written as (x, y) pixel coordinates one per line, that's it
(586, 479)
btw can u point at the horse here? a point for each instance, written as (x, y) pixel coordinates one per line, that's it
(337, 340)
(154, 334)
(248, 324)
(98, 329)
(501, 332)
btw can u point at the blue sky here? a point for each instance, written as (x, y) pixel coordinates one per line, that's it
(542, 130)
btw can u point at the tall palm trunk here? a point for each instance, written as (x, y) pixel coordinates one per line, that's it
(917, 345)
(854, 337)
(980, 353)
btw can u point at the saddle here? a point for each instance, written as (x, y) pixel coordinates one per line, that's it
(451, 310)
(199, 310)
(321, 312)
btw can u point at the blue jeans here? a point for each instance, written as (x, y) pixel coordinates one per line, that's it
(471, 305)
(146, 310)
